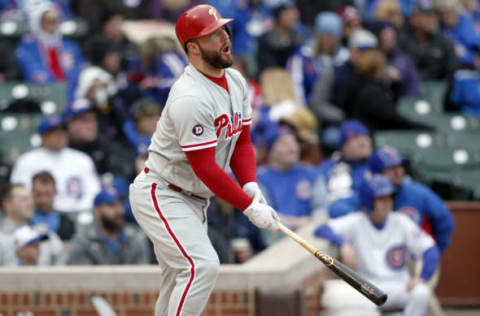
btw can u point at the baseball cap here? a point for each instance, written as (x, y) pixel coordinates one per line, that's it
(78, 107)
(145, 107)
(348, 13)
(280, 7)
(362, 39)
(273, 134)
(351, 129)
(27, 235)
(329, 23)
(49, 124)
(106, 196)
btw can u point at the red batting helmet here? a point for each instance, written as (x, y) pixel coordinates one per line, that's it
(198, 21)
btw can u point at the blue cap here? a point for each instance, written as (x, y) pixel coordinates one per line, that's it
(328, 22)
(384, 158)
(351, 129)
(78, 107)
(374, 187)
(106, 196)
(49, 124)
(273, 134)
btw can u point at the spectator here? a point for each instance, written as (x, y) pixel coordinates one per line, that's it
(276, 46)
(463, 94)
(20, 9)
(17, 205)
(352, 21)
(379, 244)
(170, 10)
(390, 11)
(44, 192)
(43, 56)
(109, 156)
(109, 240)
(344, 172)
(432, 52)
(414, 199)
(284, 175)
(27, 241)
(460, 29)
(75, 176)
(369, 100)
(160, 64)
(401, 71)
(139, 131)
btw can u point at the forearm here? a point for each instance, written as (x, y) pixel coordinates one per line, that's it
(243, 163)
(431, 260)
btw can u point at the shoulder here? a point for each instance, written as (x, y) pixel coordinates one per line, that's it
(402, 219)
(414, 187)
(466, 74)
(306, 169)
(237, 77)
(263, 171)
(30, 155)
(27, 40)
(70, 153)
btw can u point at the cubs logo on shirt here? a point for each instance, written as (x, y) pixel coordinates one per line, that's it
(304, 190)
(396, 257)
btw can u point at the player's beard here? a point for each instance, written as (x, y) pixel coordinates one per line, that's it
(114, 224)
(215, 59)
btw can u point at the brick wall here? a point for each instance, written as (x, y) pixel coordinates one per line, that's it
(223, 303)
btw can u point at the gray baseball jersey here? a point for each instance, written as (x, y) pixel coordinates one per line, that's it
(199, 114)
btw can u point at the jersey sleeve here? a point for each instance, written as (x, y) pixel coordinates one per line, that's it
(417, 240)
(194, 123)
(345, 225)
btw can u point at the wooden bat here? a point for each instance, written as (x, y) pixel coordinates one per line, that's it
(369, 290)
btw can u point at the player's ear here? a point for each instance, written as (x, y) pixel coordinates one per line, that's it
(192, 48)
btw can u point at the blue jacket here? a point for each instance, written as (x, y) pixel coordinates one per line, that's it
(427, 210)
(289, 192)
(465, 92)
(465, 39)
(33, 64)
(343, 180)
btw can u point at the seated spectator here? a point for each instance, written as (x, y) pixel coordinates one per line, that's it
(109, 156)
(159, 66)
(400, 70)
(352, 21)
(463, 93)
(390, 11)
(289, 185)
(369, 100)
(44, 192)
(343, 173)
(378, 244)
(74, 172)
(460, 29)
(43, 56)
(17, 204)
(431, 51)
(414, 199)
(27, 241)
(315, 61)
(276, 46)
(109, 240)
(139, 131)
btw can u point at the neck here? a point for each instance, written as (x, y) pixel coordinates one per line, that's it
(109, 234)
(420, 36)
(279, 166)
(18, 220)
(206, 68)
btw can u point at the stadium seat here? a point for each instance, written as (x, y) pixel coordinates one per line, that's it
(52, 97)
(18, 134)
(434, 93)
(408, 142)
(12, 29)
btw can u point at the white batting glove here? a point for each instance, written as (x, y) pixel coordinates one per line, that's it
(251, 188)
(262, 215)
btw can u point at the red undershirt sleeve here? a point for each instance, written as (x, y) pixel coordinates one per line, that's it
(243, 162)
(216, 179)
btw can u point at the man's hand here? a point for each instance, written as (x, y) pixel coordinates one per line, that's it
(251, 188)
(262, 215)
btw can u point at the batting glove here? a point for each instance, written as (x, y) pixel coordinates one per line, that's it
(252, 188)
(262, 215)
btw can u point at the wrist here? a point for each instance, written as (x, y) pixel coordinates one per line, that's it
(250, 186)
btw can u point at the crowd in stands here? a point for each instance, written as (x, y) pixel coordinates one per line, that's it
(324, 77)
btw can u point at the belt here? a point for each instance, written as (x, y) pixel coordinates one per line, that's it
(179, 189)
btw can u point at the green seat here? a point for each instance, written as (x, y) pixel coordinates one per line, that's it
(414, 108)
(52, 97)
(12, 29)
(446, 159)
(18, 134)
(434, 93)
(409, 142)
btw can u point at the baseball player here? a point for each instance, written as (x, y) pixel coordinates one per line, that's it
(414, 199)
(378, 243)
(204, 130)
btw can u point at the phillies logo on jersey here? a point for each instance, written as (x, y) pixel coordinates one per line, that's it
(397, 257)
(232, 124)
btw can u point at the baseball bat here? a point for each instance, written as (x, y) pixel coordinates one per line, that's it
(369, 290)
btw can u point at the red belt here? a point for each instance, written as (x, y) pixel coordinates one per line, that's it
(178, 189)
